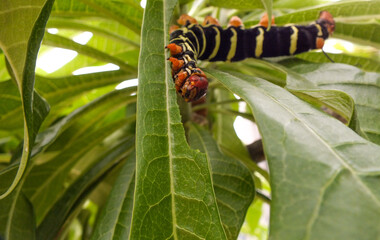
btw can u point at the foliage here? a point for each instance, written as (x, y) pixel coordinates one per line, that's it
(81, 160)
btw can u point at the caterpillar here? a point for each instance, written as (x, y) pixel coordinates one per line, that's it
(211, 42)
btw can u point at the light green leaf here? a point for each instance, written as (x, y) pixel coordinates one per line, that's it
(338, 101)
(338, 178)
(232, 181)
(58, 41)
(174, 196)
(99, 29)
(115, 219)
(238, 4)
(128, 13)
(20, 44)
(362, 33)
(366, 64)
(339, 10)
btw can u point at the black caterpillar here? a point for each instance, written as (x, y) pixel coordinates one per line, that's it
(213, 43)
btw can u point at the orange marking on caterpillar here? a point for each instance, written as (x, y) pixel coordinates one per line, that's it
(264, 20)
(319, 42)
(174, 49)
(176, 64)
(235, 21)
(173, 28)
(185, 19)
(210, 20)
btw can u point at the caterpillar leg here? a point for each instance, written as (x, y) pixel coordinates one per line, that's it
(264, 21)
(174, 49)
(177, 64)
(185, 20)
(235, 21)
(210, 20)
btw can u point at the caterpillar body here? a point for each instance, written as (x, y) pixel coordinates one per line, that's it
(213, 43)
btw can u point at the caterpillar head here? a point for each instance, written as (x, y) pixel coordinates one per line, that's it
(326, 19)
(195, 87)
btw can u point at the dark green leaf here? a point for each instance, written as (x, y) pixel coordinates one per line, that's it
(232, 181)
(79, 190)
(115, 219)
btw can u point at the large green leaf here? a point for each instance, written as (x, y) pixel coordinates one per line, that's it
(20, 44)
(232, 181)
(324, 176)
(115, 219)
(174, 196)
(363, 87)
(338, 101)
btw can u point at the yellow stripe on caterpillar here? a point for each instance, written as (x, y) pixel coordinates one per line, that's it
(259, 43)
(293, 40)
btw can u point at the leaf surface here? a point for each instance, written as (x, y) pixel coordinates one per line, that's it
(361, 86)
(115, 219)
(335, 195)
(174, 197)
(232, 181)
(20, 44)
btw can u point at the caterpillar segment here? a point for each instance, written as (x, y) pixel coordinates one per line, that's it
(211, 42)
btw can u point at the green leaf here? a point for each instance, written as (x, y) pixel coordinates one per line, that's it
(97, 29)
(73, 8)
(66, 142)
(338, 101)
(362, 33)
(322, 173)
(115, 219)
(20, 44)
(361, 86)
(174, 197)
(226, 137)
(339, 10)
(58, 41)
(237, 4)
(128, 13)
(81, 188)
(22, 224)
(54, 90)
(366, 64)
(232, 181)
